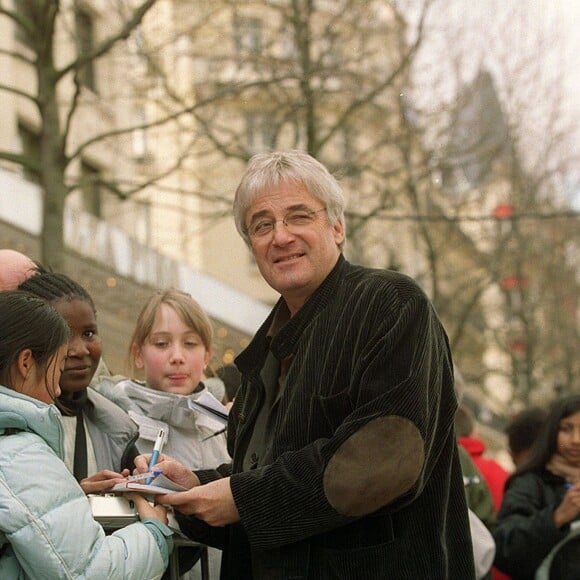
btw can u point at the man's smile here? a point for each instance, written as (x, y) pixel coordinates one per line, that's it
(288, 258)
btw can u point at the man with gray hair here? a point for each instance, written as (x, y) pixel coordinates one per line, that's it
(344, 459)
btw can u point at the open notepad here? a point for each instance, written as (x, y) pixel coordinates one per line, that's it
(159, 484)
(208, 405)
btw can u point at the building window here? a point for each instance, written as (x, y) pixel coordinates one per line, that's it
(91, 189)
(139, 143)
(288, 48)
(85, 45)
(260, 132)
(30, 149)
(248, 35)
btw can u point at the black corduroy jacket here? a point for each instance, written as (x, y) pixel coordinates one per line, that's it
(364, 480)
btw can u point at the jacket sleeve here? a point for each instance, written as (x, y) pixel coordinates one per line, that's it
(525, 531)
(196, 529)
(49, 524)
(392, 423)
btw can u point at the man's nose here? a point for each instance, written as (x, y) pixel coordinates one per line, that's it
(281, 234)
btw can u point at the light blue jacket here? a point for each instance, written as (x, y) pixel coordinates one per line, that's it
(46, 526)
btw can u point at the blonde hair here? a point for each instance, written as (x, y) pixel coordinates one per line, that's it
(186, 307)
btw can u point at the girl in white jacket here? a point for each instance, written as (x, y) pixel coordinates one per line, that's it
(171, 346)
(46, 525)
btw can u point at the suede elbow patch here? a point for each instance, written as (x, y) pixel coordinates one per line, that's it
(374, 466)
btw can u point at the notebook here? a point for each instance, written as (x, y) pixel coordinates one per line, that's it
(159, 484)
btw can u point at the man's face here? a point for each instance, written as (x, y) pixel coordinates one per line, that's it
(294, 260)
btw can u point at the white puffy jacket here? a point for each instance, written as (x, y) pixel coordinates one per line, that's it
(46, 526)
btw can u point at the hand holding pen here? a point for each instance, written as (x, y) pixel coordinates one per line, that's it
(569, 508)
(172, 469)
(157, 448)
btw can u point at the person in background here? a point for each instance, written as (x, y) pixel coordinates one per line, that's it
(477, 492)
(479, 501)
(47, 528)
(494, 474)
(15, 267)
(540, 512)
(232, 378)
(345, 462)
(99, 438)
(522, 430)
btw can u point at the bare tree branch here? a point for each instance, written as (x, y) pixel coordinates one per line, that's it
(105, 47)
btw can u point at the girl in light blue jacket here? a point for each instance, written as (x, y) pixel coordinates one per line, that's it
(47, 530)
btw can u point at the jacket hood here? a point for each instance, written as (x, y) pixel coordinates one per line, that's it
(168, 407)
(23, 413)
(473, 445)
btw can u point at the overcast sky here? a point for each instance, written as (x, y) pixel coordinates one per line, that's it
(496, 31)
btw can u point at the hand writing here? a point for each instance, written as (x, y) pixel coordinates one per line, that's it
(171, 468)
(213, 502)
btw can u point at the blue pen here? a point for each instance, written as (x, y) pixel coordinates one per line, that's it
(141, 476)
(159, 441)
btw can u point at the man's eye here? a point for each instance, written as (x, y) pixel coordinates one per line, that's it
(262, 227)
(299, 218)
(89, 333)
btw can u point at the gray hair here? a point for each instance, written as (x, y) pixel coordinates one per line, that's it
(269, 170)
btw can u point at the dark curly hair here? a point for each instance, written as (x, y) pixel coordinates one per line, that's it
(53, 287)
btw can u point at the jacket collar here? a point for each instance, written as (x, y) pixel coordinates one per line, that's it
(285, 342)
(73, 405)
(23, 413)
(171, 408)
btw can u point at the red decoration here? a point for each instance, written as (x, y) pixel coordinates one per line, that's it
(518, 347)
(503, 211)
(509, 283)
(513, 282)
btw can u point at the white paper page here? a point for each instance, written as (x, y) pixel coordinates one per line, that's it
(207, 404)
(159, 484)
